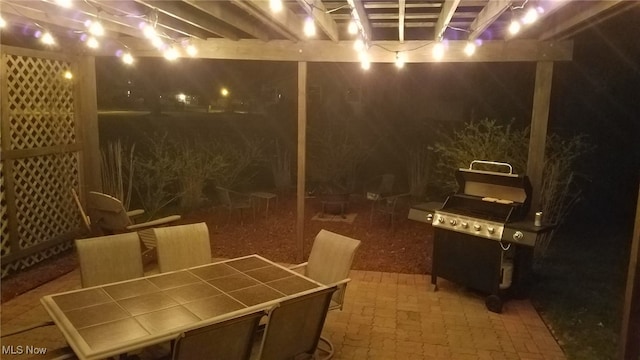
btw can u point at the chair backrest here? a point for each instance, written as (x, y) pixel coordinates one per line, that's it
(107, 212)
(85, 219)
(331, 257)
(224, 196)
(110, 258)
(182, 246)
(295, 325)
(227, 340)
(386, 184)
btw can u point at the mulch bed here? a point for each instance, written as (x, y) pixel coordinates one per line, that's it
(403, 248)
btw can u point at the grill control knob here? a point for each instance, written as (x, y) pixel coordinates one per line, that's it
(491, 230)
(518, 235)
(440, 219)
(453, 222)
(477, 227)
(429, 217)
(464, 225)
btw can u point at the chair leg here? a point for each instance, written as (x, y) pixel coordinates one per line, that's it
(327, 349)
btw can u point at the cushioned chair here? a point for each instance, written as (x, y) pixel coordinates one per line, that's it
(330, 261)
(109, 258)
(182, 246)
(294, 326)
(227, 340)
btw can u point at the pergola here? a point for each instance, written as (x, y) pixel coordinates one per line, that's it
(411, 31)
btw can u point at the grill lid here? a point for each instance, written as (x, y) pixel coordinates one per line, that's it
(495, 195)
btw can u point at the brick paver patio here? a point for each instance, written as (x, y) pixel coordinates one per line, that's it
(386, 316)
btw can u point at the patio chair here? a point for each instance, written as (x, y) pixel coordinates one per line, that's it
(107, 215)
(383, 188)
(234, 200)
(226, 340)
(330, 261)
(182, 246)
(294, 326)
(386, 206)
(109, 258)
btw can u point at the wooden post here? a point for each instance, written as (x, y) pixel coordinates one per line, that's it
(538, 136)
(302, 152)
(87, 119)
(630, 333)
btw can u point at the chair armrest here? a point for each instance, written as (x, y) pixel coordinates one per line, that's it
(135, 212)
(340, 283)
(304, 264)
(161, 221)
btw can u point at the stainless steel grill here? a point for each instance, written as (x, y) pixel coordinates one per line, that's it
(482, 238)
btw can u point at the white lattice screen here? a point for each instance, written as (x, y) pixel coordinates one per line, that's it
(40, 125)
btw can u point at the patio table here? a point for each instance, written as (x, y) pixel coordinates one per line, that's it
(116, 318)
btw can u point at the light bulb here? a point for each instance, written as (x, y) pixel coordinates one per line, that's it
(96, 28)
(514, 27)
(171, 54)
(3, 23)
(530, 16)
(358, 45)
(149, 31)
(365, 63)
(399, 60)
(192, 50)
(93, 43)
(470, 49)
(64, 3)
(47, 39)
(157, 42)
(309, 27)
(438, 51)
(68, 75)
(127, 58)
(275, 5)
(353, 27)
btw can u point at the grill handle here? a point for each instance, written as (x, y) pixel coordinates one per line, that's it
(491, 163)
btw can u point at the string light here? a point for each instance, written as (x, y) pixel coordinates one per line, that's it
(171, 54)
(93, 43)
(353, 27)
(48, 39)
(127, 58)
(438, 51)
(530, 16)
(365, 63)
(192, 50)
(275, 5)
(470, 48)
(309, 27)
(3, 23)
(358, 45)
(399, 60)
(68, 75)
(95, 28)
(64, 3)
(514, 27)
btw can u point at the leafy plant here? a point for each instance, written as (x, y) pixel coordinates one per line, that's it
(334, 156)
(116, 170)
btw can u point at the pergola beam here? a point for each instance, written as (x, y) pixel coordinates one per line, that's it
(581, 17)
(383, 52)
(487, 16)
(358, 10)
(222, 13)
(283, 20)
(193, 18)
(319, 14)
(401, 11)
(446, 14)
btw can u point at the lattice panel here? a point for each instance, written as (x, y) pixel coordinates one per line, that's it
(4, 217)
(35, 258)
(41, 108)
(44, 207)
